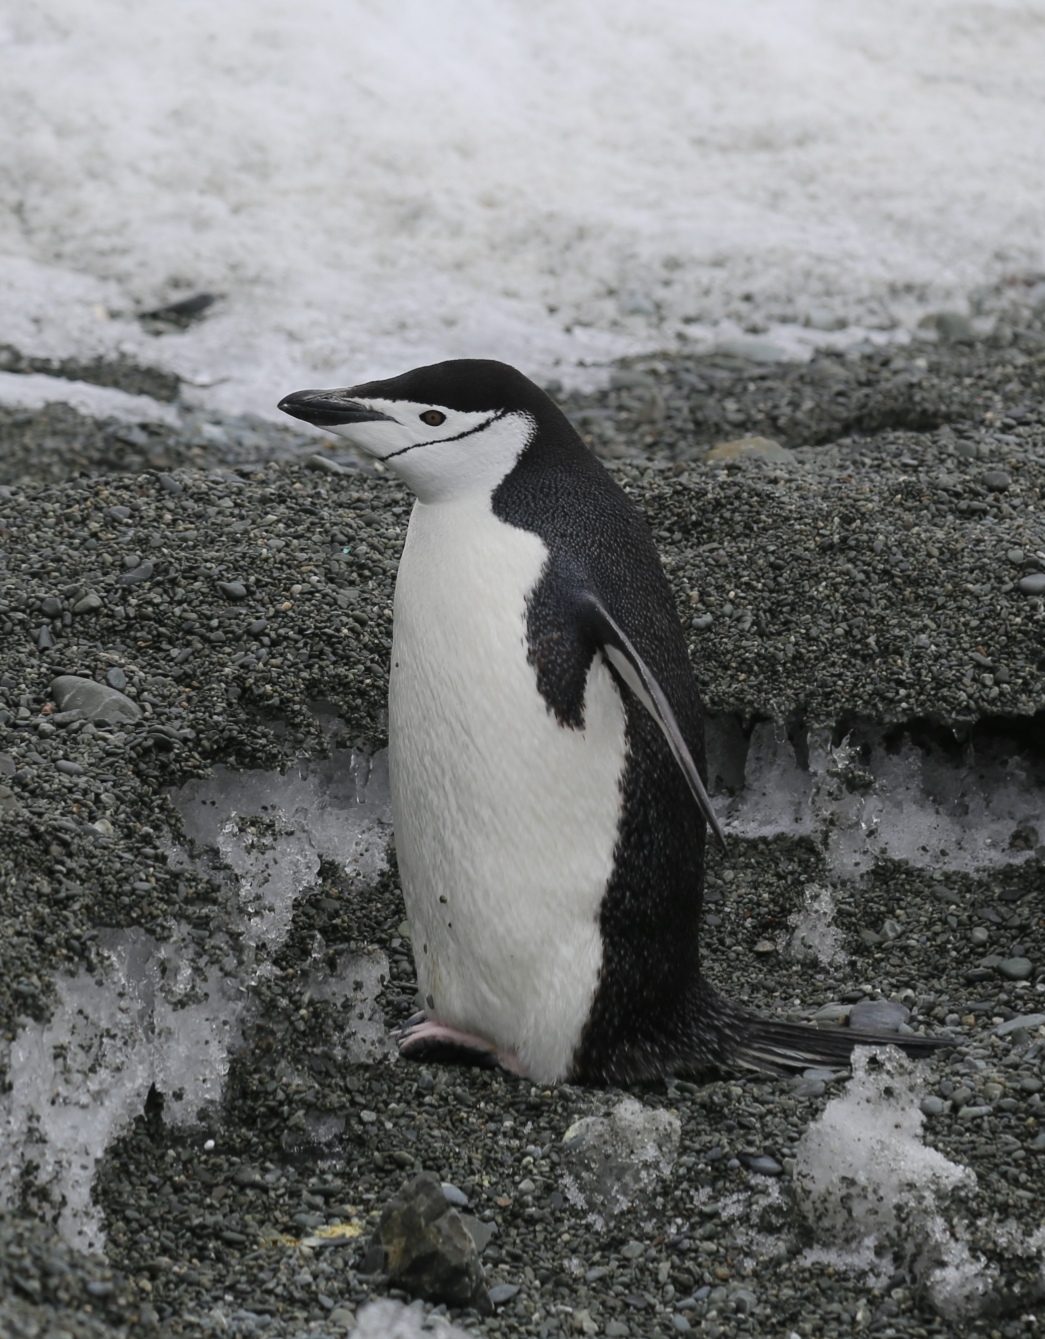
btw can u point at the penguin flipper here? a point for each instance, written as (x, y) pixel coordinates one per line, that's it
(620, 651)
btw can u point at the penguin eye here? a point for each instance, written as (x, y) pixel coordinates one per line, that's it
(433, 418)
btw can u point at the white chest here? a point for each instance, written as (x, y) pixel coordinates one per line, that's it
(505, 821)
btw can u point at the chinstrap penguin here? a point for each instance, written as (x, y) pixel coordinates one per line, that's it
(546, 750)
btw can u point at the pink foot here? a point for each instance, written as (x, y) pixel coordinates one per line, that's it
(423, 1038)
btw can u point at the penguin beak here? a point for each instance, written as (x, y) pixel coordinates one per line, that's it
(329, 409)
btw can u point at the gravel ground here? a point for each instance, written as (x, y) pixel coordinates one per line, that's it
(890, 570)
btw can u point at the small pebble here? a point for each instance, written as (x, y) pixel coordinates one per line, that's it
(764, 1165)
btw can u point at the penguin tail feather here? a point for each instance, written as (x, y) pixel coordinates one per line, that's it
(754, 1042)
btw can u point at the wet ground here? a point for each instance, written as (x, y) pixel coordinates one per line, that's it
(199, 960)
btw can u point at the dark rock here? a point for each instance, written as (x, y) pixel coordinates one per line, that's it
(428, 1251)
(181, 314)
(954, 328)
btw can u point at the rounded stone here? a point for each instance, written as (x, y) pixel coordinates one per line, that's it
(878, 1015)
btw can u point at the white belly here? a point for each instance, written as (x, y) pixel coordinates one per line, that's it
(505, 821)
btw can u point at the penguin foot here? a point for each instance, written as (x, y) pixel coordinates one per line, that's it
(423, 1038)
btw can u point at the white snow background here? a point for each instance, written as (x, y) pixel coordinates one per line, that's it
(370, 185)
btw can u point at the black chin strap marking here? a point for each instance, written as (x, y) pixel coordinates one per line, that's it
(437, 441)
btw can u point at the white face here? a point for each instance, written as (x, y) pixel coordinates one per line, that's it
(441, 453)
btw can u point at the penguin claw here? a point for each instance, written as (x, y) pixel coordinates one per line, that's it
(425, 1039)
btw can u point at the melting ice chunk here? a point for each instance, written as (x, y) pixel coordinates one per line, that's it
(159, 1015)
(905, 801)
(866, 1183)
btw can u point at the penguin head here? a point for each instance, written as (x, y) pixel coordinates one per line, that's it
(448, 430)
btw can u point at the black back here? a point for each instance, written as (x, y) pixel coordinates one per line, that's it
(650, 916)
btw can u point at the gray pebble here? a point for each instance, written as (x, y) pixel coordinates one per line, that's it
(481, 1232)
(50, 608)
(88, 604)
(97, 701)
(1016, 969)
(1025, 1021)
(232, 590)
(68, 768)
(764, 1165)
(503, 1292)
(326, 464)
(878, 1015)
(116, 678)
(136, 575)
(996, 481)
(454, 1196)
(932, 1105)
(1033, 584)
(751, 350)
(954, 328)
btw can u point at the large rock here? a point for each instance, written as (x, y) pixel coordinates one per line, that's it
(425, 1248)
(97, 701)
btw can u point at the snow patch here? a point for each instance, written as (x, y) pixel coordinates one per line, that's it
(866, 1183)
(34, 390)
(161, 1014)
(367, 187)
(904, 801)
